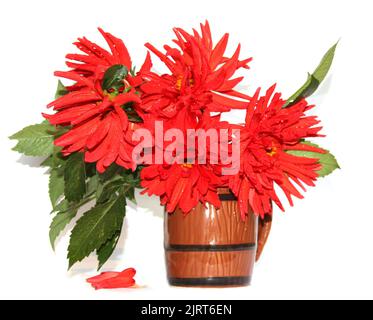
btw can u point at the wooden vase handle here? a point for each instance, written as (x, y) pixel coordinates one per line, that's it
(264, 228)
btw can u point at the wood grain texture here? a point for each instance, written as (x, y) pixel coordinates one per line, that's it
(264, 229)
(210, 264)
(206, 226)
(210, 226)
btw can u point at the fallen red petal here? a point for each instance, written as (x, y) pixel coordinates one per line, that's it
(113, 280)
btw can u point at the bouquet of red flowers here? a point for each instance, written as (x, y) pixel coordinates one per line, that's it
(112, 129)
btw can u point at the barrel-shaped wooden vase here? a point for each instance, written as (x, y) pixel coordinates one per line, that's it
(209, 247)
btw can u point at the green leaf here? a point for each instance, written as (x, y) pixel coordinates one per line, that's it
(74, 174)
(92, 184)
(113, 78)
(327, 160)
(48, 162)
(56, 186)
(109, 173)
(132, 178)
(95, 228)
(132, 114)
(62, 206)
(133, 71)
(314, 79)
(131, 195)
(109, 189)
(104, 253)
(35, 140)
(326, 62)
(55, 160)
(61, 90)
(59, 223)
(90, 169)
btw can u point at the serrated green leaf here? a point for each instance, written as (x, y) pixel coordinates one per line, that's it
(56, 186)
(59, 223)
(95, 228)
(62, 206)
(92, 184)
(90, 169)
(48, 162)
(65, 205)
(326, 160)
(61, 90)
(74, 174)
(109, 173)
(104, 253)
(109, 189)
(132, 178)
(314, 79)
(113, 78)
(130, 194)
(35, 140)
(55, 160)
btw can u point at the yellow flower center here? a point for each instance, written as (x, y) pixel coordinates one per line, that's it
(110, 95)
(179, 82)
(271, 151)
(187, 165)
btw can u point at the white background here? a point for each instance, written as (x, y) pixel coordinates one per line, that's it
(321, 248)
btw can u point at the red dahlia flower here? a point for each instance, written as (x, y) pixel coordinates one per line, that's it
(185, 182)
(96, 115)
(269, 132)
(200, 79)
(95, 60)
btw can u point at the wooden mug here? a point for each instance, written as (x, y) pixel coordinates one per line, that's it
(209, 247)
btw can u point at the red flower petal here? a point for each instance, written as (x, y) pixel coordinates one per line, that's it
(113, 280)
(218, 52)
(147, 65)
(102, 276)
(118, 49)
